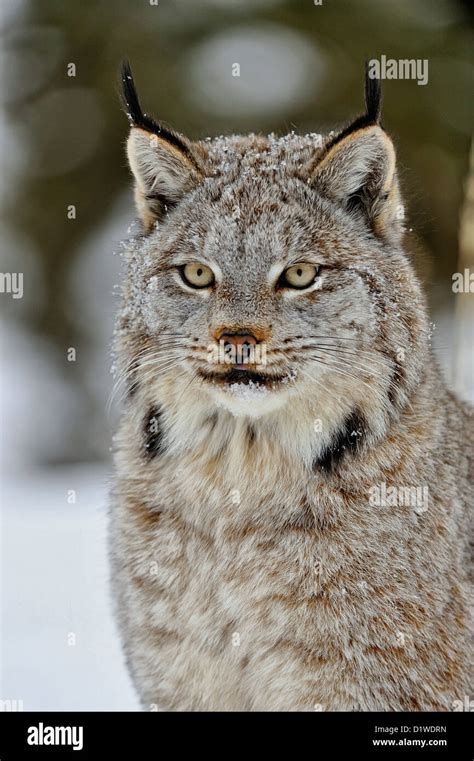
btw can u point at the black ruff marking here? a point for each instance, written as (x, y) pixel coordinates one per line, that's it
(153, 433)
(250, 435)
(345, 441)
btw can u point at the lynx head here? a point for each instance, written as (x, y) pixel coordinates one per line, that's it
(269, 278)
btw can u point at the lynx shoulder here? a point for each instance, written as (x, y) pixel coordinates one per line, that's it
(290, 514)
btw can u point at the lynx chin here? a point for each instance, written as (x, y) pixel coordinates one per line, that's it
(250, 568)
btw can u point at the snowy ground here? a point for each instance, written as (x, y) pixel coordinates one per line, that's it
(55, 591)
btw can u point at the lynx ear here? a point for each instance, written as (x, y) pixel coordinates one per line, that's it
(358, 169)
(164, 164)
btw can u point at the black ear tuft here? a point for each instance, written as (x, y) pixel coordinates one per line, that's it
(137, 118)
(373, 107)
(373, 97)
(131, 103)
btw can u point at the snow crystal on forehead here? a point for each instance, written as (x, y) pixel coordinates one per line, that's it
(269, 153)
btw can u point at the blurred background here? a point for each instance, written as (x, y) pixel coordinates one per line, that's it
(66, 203)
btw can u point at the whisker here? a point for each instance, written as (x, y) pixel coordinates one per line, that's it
(343, 361)
(151, 355)
(359, 354)
(319, 383)
(344, 373)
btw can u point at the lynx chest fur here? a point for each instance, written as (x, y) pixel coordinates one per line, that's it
(289, 522)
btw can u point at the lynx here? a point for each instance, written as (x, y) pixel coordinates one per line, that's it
(252, 570)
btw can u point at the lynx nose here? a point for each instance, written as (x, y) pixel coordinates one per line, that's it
(238, 348)
(238, 339)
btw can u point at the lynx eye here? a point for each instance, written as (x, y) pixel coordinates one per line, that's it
(197, 275)
(299, 276)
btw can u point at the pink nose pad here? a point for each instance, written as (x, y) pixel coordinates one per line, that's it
(238, 348)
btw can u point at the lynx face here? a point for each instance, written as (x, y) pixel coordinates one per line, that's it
(270, 268)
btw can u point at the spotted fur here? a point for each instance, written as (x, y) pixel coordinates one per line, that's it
(250, 569)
